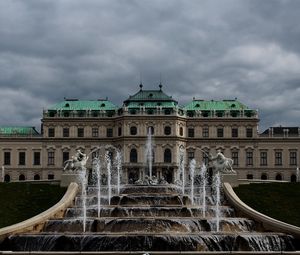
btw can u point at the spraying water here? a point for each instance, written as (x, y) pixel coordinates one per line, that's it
(108, 162)
(192, 167)
(83, 181)
(98, 171)
(149, 152)
(119, 165)
(203, 185)
(181, 168)
(217, 188)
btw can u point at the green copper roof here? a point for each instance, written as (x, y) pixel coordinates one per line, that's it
(215, 105)
(79, 105)
(150, 99)
(18, 131)
(150, 95)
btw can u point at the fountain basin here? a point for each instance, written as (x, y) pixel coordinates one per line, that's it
(145, 242)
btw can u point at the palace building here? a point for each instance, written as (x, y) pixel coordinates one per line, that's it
(199, 128)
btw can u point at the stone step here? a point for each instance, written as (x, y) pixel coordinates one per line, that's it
(145, 242)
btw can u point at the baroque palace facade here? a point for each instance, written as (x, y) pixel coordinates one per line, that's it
(200, 127)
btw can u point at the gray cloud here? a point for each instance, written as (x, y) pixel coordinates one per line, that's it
(204, 49)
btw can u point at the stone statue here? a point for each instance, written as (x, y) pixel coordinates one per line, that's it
(77, 162)
(221, 164)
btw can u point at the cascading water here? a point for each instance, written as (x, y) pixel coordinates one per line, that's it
(148, 218)
(109, 170)
(203, 187)
(217, 191)
(149, 151)
(192, 167)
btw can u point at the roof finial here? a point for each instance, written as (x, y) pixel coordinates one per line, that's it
(160, 85)
(141, 83)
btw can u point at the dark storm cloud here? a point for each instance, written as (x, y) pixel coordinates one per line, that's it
(204, 49)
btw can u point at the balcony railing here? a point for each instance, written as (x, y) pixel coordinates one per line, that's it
(142, 111)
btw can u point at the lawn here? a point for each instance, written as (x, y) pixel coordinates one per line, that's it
(277, 200)
(20, 201)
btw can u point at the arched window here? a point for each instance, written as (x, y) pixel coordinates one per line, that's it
(36, 177)
(181, 131)
(168, 156)
(133, 130)
(21, 177)
(264, 177)
(7, 178)
(133, 156)
(167, 130)
(151, 130)
(278, 177)
(249, 176)
(293, 178)
(50, 176)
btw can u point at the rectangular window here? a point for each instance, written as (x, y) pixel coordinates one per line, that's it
(95, 154)
(36, 158)
(205, 132)
(249, 132)
(293, 158)
(80, 132)
(249, 158)
(109, 132)
(65, 156)
(50, 158)
(263, 158)
(235, 158)
(22, 158)
(66, 132)
(191, 132)
(7, 158)
(278, 158)
(220, 132)
(205, 158)
(95, 132)
(51, 132)
(119, 131)
(191, 155)
(234, 132)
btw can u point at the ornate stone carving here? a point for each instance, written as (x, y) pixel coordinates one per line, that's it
(76, 163)
(221, 164)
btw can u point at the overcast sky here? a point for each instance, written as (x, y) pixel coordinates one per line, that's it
(95, 49)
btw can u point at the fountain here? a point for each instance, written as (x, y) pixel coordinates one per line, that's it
(203, 185)
(217, 196)
(98, 173)
(119, 166)
(192, 174)
(149, 152)
(181, 169)
(108, 162)
(148, 217)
